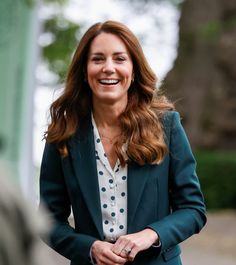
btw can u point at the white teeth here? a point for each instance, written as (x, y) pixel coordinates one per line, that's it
(109, 81)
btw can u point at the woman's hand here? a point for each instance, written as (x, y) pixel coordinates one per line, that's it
(128, 246)
(102, 253)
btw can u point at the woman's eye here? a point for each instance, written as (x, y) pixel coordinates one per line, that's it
(120, 59)
(97, 59)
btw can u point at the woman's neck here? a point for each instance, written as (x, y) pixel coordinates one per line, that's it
(107, 115)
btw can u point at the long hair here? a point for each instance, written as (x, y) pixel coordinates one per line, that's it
(140, 122)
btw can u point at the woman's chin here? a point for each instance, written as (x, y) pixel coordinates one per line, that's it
(111, 98)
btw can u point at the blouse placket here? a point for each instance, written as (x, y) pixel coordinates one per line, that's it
(113, 192)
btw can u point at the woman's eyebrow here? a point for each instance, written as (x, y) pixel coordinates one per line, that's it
(115, 53)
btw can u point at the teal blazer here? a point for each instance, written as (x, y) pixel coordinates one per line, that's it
(166, 197)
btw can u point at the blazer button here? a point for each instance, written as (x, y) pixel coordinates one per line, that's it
(168, 249)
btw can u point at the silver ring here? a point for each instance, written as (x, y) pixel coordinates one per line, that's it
(127, 251)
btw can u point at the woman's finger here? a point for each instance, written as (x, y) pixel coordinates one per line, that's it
(122, 247)
(102, 253)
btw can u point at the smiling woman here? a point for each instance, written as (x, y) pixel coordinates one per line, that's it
(114, 149)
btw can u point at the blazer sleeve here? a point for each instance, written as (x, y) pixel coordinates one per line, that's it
(187, 208)
(53, 194)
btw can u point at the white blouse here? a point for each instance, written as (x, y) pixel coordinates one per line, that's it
(113, 192)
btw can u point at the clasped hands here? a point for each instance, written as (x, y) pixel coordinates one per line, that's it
(124, 249)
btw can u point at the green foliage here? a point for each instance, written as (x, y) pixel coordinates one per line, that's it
(186, 42)
(31, 2)
(210, 31)
(230, 23)
(58, 53)
(217, 173)
(61, 2)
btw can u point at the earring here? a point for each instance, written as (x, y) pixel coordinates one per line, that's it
(132, 80)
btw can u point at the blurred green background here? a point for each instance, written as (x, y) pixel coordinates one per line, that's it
(190, 44)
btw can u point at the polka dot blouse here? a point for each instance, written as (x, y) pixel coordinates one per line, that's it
(113, 192)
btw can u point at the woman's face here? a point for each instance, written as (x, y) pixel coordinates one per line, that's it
(109, 69)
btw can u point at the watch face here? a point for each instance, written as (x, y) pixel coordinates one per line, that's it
(9, 19)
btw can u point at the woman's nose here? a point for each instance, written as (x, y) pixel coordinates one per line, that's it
(108, 67)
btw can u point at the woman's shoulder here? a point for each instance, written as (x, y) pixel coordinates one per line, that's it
(168, 117)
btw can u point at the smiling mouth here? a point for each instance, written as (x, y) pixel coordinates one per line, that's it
(109, 81)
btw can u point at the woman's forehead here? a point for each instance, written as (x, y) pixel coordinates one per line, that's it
(108, 42)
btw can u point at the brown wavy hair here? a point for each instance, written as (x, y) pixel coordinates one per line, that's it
(141, 120)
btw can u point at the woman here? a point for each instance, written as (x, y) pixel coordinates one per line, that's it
(117, 154)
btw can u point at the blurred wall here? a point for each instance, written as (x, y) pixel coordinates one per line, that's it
(19, 29)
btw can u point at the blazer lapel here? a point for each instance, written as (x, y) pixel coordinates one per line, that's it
(137, 178)
(84, 162)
